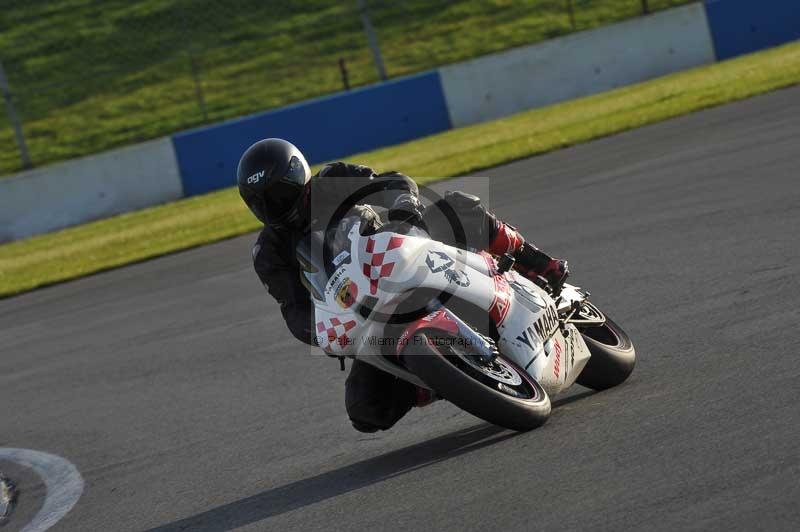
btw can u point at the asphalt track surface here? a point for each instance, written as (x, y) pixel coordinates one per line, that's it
(175, 389)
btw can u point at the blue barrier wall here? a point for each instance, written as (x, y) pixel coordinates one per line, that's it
(743, 26)
(324, 129)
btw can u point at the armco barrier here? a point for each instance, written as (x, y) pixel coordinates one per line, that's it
(80, 190)
(325, 129)
(576, 65)
(743, 26)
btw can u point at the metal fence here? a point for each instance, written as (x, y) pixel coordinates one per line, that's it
(81, 76)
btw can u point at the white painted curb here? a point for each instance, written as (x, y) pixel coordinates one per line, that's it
(62, 479)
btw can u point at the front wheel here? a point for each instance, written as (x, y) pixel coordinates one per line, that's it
(499, 392)
(613, 356)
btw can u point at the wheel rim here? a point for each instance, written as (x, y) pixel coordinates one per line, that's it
(498, 369)
(499, 374)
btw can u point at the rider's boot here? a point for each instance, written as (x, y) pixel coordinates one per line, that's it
(530, 261)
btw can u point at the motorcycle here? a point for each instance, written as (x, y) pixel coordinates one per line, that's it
(460, 323)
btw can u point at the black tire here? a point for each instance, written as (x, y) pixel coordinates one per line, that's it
(466, 387)
(613, 356)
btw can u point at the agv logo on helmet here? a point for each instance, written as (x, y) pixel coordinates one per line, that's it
(255, 177)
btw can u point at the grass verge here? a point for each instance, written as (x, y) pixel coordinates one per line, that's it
(89, 75)
(140, 235)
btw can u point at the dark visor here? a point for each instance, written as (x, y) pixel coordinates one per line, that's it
(283, 195)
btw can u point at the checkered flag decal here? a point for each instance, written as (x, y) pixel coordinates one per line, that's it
(336, 332)
(379, 267)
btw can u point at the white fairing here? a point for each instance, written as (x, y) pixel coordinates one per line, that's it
(531, 336)
(389, 266)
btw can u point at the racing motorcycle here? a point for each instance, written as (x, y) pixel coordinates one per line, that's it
(460, 323)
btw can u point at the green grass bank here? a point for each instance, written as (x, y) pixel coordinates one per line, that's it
(90, 75)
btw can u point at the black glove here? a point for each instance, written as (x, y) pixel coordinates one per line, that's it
(470, 216)
(342, 169)
(408, 209)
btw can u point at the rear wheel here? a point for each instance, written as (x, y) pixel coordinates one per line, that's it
(613, 356)
(499, 392)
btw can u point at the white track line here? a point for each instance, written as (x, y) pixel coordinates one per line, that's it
(62, 479)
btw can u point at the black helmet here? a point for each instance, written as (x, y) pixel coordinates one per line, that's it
(272, 176)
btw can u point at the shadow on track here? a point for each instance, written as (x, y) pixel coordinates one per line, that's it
(340, 481)
(572, 398)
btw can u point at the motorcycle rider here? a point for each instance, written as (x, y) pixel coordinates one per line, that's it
(276, 184)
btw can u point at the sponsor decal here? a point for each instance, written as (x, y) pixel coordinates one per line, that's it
(347, 293)
(334, 334)
(378, 266)
(255, 178)
(547, 323)
(525, 339)
(491, 264)
(438, 261)
(340, 258)
(571, 349)
(457, 277)
(335, 282)
(501, 302)
(557, 361)
(544, 327)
